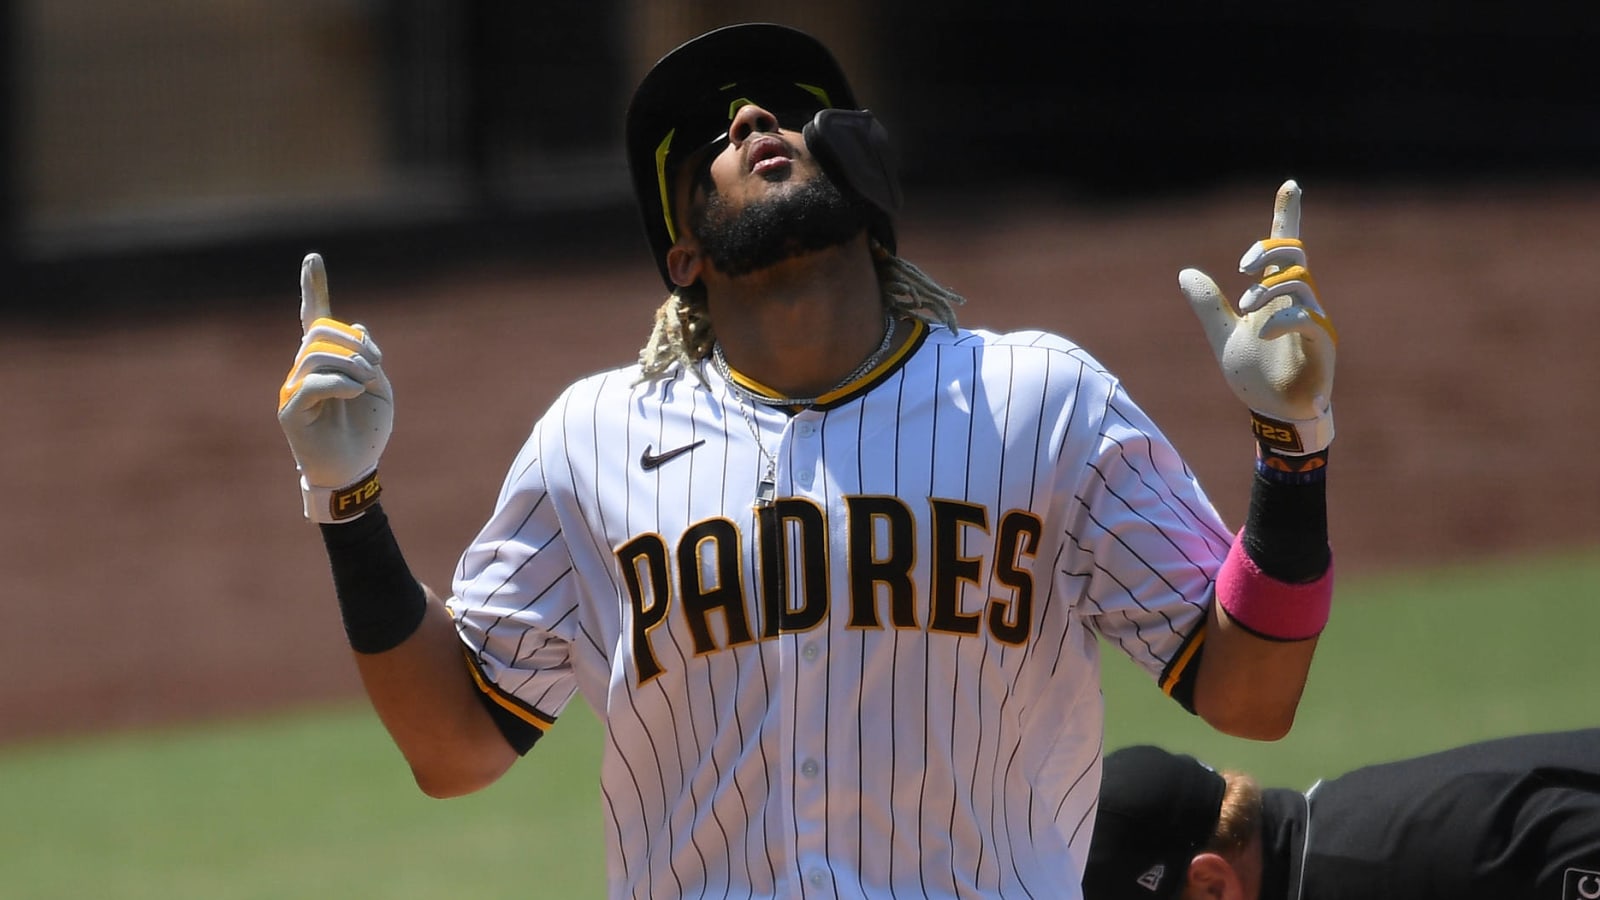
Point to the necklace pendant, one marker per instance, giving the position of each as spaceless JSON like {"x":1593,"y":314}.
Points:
{"x":765,"y":491}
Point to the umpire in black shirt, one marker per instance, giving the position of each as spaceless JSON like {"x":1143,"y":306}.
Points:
{"x":1516,"y":818}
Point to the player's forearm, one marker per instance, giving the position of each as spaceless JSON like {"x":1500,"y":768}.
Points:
{"x":1273,"y":597}
{"x":410,"y":661}
{"x":1249,"y":686}
{"x":425,"y":697}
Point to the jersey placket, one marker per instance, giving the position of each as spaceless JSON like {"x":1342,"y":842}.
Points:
{"x":804,"y":666}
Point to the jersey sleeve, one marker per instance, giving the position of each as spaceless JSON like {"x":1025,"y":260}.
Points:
{"x":1145,"y":544}
{"x":515,"y":603}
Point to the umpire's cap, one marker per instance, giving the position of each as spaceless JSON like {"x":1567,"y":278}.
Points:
{"x":1157,"y":810}
{"x":687,"y":100}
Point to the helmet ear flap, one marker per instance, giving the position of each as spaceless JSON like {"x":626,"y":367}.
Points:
{"x":853,"y":148}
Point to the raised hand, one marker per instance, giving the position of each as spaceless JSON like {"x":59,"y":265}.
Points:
{"x":1276,"y":345}
{"x":335,"y":406}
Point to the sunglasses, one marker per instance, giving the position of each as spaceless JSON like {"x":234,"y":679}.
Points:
{"x":705,"y":124}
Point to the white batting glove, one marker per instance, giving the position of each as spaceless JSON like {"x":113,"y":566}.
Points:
{"x":335,"y":407}
{"x":1276,"y":346}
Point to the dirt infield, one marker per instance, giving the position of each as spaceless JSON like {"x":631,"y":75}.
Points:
{"x":156,"y":568}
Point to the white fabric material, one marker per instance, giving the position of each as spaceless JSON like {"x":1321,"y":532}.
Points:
{"x":938,"y":735}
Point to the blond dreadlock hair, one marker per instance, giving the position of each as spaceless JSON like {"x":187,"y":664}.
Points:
{"x":683,"y":334}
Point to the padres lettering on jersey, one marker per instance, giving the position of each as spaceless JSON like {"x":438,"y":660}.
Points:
{"x":884,"y":683}
{"x":791,"y":604}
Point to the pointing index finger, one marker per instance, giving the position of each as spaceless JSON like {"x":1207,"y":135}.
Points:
{"x":313,"y":291}
{"x":1286,"y":212}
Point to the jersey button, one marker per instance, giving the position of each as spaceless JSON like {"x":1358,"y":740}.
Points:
{"x":804,"y":476}
{"x":809,"y":768}
{"x":817,"y":877}
{"x":805,"y":429}
{"x":810,"y":652}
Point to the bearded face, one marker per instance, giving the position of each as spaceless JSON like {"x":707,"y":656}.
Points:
{"x":815,"y":215}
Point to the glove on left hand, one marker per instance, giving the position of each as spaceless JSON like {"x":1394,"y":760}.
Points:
{"x":335,"y":407}
{"x":1277,"y":346}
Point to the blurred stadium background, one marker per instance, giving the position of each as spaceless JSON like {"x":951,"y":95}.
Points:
{"x":210,"y":139}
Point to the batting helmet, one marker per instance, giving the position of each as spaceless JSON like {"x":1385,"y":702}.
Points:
{"x":688,"y":98}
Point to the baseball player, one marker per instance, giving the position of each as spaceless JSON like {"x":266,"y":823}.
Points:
{"x":831,"y":569}
{"x":1516,"y":818}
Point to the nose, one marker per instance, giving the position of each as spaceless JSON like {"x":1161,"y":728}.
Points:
{"x":751,"y":119}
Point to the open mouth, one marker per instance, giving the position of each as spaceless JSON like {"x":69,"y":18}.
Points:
{"x":768,"y":156}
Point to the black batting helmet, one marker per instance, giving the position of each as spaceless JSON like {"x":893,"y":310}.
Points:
{"x":688,"y":98}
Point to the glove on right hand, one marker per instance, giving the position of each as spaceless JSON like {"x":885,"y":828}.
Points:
{"x":1276,"y":346}
{"x":335,"y":407}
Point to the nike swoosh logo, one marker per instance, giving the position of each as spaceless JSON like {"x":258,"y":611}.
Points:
{"x":648,"y":461}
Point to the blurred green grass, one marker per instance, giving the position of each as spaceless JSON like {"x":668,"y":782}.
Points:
{"x":320,"y":804}
{"x":316,"y":805}
{"x":1410,"y":663}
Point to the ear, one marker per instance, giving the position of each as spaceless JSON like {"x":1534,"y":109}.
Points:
{"x":684,"y":259}
{"x":1212,"y":878}
{"x":684,"y":264}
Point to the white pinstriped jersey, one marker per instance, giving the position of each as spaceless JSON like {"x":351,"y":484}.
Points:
{"x":885,"y":684}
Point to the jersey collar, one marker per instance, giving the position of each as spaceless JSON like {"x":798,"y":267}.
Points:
{"x":845,"y":393}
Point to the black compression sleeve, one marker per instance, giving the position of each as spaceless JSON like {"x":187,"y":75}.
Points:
{"x":379,"y":600}
{"x":1286,"y":530}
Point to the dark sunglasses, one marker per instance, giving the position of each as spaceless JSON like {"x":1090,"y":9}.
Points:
{"x":705,"y":124}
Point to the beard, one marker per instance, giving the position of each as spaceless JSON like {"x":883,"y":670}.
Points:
{"x":814,"y":216}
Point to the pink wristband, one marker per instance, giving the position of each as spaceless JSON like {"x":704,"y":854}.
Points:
{"x":1269,"y":607}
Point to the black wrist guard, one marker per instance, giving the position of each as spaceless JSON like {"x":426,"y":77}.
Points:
{"x":379,"y":600}
{"x":1286,"y":529}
